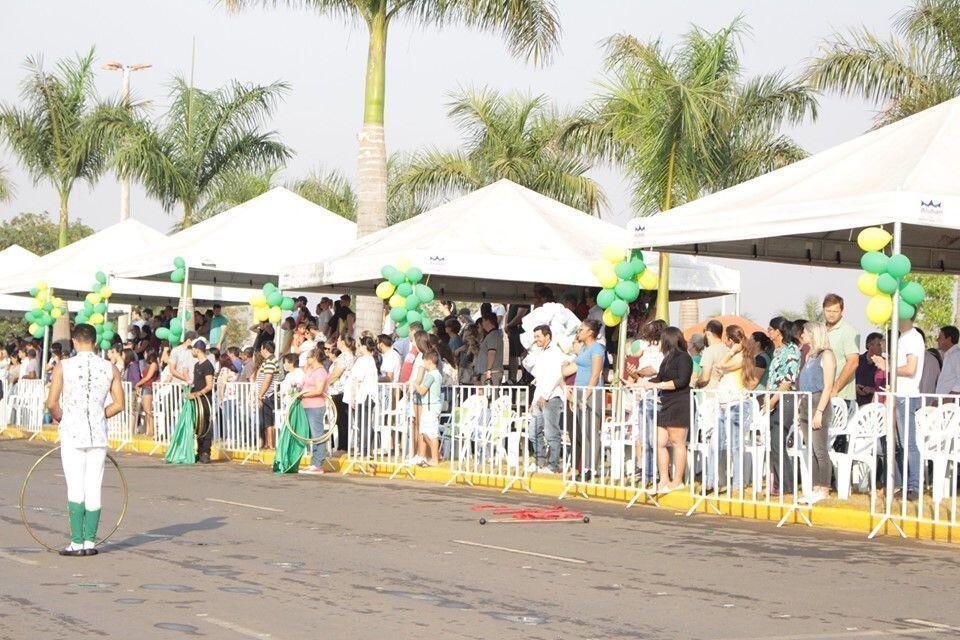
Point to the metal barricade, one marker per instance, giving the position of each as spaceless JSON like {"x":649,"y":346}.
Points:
{"x":27,"y":406}
{"x":381,"y":432}
{"x":120,"y":427}
{"x":755,"y":447}
{"x":923,"y":487}
{"x":488,"y":435}
{"x":609,"y":440}
{"x":167,"y":402}
{"x":237,"y":418}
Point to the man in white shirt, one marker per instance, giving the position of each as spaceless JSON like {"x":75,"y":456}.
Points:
{"x":547,"y":370}
{"x":910,"y":355}
{"x":308,"y":345}
{"x":949,"y":380}
{"x":389,"y":359}
{"x":713,"y":355}
{"x":182,"y":360}
{"x":324,"y":313}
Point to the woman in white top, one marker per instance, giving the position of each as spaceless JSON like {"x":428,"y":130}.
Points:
{"x":361,"y":393}
{"x":13,"y":370}
{"x":339,"y":377}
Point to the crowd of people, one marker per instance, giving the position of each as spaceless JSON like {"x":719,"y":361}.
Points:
{"x":320,"y":359}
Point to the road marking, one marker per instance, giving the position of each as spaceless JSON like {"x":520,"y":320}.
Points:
{"x":243,"y":504}
{"x":865,"y":633}
{"x":250,"y":633}
{"x":935,"y":625}
{"x":10,"y":556}
{"x":521,"y":551}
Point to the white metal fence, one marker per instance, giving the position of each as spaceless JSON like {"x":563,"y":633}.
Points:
{"x":121,"y":427}
{"x":25,"y":406}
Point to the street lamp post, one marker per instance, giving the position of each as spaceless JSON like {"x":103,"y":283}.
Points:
{"x":125,"y":93}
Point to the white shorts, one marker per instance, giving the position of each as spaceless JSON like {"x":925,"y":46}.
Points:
{"x":429,"y":424}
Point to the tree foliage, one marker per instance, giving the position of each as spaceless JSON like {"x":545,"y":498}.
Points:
{"x":37,"y":232}
{"x":937,"y":310}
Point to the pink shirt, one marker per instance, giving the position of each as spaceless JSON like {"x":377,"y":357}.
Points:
{"x":313,"y":380}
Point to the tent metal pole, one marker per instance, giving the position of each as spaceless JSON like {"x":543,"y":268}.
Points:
{"x":183,"y":300}
{"x":891,"y":401}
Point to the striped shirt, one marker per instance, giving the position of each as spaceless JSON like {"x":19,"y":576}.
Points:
{"x":268,"y":368}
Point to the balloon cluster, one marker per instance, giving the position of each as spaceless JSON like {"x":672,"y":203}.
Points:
{"x":173,"y":333}
{"x":621,"y":276}
{"x":94,"y":311}
{"x":270,"y":304}
{"x":179,"y":272}
{"x":46,"y":309}
{"x":884,"y":276}
{"x":406,"y":296}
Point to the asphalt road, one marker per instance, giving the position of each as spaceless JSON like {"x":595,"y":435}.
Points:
{"x":334,"y":557}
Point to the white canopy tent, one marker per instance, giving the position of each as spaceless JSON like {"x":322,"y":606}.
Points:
{"x":70,"y":271}
{"x":495,"y":244}
{"x":236,"y":248}
{"x":902,"y":176}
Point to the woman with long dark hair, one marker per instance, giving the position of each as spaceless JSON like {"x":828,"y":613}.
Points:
{"x":673,"y":419}
{"x":339,"y":378}
{"x":145,"y":387}
{"x":784,"y":370}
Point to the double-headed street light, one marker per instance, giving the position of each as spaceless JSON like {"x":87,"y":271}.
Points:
{"x":125,"y":93}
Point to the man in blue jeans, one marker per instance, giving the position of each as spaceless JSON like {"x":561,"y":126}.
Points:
{"x":911,"y":351}
{"x":546,"y":365}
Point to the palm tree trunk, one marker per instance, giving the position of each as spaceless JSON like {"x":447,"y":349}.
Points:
{"x":64,"y":218}
{"x":372,"y":161}
{"x":663,"y":284}
{"x":187,"y":215}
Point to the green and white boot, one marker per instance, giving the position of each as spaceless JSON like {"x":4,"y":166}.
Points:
{"x":91,"y":522}
{"x":76,"y":512}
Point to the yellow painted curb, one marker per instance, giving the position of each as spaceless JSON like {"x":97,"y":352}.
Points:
{"x":829,"y":516}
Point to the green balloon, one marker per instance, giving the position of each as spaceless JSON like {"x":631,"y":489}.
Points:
{"x":33,"y":292}
{"x":46,"y":320}
{"x":178,"y":276}
{"x":109,"y":326}
{"x":179,"y":262}
{"x":396,"y":277}
{"x":912,"y":293}
{"x":38,"y":334}
{"x":414,"y":275}
{"x":404,"y":289}
{"x":385,"y":271}
{"x":403,"y":331}
{"x":898,"y":265}
{"x":105,"y":344}
{"x":874,"y":262}
{"x":88,"y":307}
{"x":605,"y":298}
{"x":638,"y":265}
{"x":274,"y":298}
{"x":176,"y":326}
{"x":96,"y":287}
{"x":887,"y":283}
{"x":268,"y":287}
{"x":108,"y":335}
{"x":398,"y":314}
{"x":163,"y":333}
{"x":627,"y":290}
{"x":101,"y":277}
{"x":28,"y":316}
{"x":636,"y":346}
{"x":624,"y":270}
{"x":413,"y":301}
{"x":424,"y":292}
{"x":414,"y":316}
{"x":287,"y":303}
{"x":619,"y":308}
{"x":100,"y":307}
{"x":81,"y":318}
{"x":48,"y":306}
{"x":907,"y":310}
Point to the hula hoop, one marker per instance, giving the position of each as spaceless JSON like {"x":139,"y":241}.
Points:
{"x":327,"y":433}
{"x":23,"y":491}
{"x":200,"y":408}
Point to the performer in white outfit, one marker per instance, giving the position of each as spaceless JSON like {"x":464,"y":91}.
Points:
{"x":84,"y":392}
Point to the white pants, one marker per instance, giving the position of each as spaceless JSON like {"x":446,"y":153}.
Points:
{"x":83,"y":469}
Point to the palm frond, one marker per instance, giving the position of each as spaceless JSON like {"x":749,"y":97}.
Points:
{"x":329,"y":189}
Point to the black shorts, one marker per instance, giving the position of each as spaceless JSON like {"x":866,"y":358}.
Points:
{"x":266,"y":416}
{"x":515,"y":349}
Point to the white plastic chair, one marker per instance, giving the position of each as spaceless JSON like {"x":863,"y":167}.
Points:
{"x":706,"y":416}
{"x":865,"y":430}
{"x":839,"y":426}
{"x":756,"y":443}
{"x":936,"y":429}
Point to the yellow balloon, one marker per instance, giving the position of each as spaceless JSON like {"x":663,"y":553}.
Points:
{"x":397,"y":301}
{"x":873,"y":239}
{"x":867,"y":283}
{"x":105,"y":292}
{"x":879,"y":309}
{"x":56,"y":313}
{"x":262,"y":314}
{"x":57,"y":302}
{"x":608,"y":280}
{"x":609,"y":319}
{"x":403,"y":263}
{"x":258,"y":301}
{"x":614,"y":254}
{"x":647,"y":280}
{"x":385,"y":290}
{"x":276,"y":315}
{"x":93,"y":298}
{"x":42,"y":285}
{"x":96,"y":318}
{"x":33,"y":328}
{"x":599,"y":267}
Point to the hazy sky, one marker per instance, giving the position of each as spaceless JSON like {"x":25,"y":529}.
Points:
{"x":323,"y":60}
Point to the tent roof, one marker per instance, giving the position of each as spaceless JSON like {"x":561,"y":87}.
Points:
{"x":495,"y":244}
{"x":810,"y":211}
{"x":70,"y":271}
{"x":226,"y":249}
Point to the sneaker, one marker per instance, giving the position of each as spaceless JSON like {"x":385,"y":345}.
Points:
{"x":90,"y":548}
{"x":72,"y":549}
{"x":544,"y":469}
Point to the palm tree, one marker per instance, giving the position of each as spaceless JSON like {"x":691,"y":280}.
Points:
{"x":333,"y":191}
{"x":904,"y":75}
{"x":521,"y":138}
{"x":58,"y":133}
{"x":683,"y":122}
{"x":6,"y":187}
{"x":205,"y":139}
{"x":530,"y":27}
